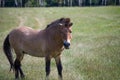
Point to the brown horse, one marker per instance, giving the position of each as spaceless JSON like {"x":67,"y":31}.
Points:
{"x":48,"y":43}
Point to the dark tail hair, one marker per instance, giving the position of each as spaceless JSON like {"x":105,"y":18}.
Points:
{"x":7,"y":51}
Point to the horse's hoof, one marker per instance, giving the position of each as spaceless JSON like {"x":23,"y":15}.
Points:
{"x":60,"y":78}
{"x":16,"y":78}
{"x":22,"y":76}
{"x":47,"y":78}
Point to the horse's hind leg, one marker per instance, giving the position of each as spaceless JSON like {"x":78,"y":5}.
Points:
{"x":17,"y":65}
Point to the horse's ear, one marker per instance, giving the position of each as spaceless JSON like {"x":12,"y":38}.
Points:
{"x":61,"y":19}
{"x":67,"y":20}
{"x":70,"y":24}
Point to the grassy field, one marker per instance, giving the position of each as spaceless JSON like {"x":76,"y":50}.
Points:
{"x":95,"y":48}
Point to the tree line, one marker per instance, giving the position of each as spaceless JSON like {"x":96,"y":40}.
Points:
{"x":56,"y":3}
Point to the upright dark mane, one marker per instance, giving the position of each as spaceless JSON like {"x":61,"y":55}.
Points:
{"x":54,"y":23}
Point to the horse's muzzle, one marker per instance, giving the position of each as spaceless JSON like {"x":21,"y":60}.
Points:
{"x":66,"y":45}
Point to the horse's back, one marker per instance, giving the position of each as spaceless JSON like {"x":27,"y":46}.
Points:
{"x":26,"y":39}
{"x":18,"y":35}
{"x":21,"y":33}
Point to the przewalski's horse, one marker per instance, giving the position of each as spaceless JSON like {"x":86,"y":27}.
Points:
{"x":48,"y":43}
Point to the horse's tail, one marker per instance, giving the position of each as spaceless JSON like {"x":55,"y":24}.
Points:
{"x":7,"y":51}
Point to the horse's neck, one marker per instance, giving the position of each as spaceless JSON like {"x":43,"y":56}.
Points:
{"x":54,"y":35}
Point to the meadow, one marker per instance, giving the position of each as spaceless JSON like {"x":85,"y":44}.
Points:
{"x":95,"y":46}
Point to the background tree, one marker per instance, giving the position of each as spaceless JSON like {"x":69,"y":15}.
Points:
{"x":89,"y":2}
{"x":31,"y":3}
{"x":50,"y":3}
{"x":71,"y":1}
{"x":40,"y":3}
{"x":2,"y":3}
{"x":119,"y":2}
{"x":80,"y":2}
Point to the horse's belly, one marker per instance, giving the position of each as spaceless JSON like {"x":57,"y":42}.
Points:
{"x":33,"y":48}
{"x":36,"y":54}
{"x":33,"y":51}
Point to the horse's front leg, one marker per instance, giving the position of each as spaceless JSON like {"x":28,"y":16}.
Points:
{"x":59,"y":66}
{"x":47,"y":68}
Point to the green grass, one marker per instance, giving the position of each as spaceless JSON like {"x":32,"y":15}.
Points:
{"x":95,"y":48}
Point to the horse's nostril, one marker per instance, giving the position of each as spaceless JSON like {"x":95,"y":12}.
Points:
{"x":66,"y":44}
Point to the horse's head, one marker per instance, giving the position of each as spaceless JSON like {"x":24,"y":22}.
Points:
{"x":62,"y":30}
{"x":65,"y":31}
